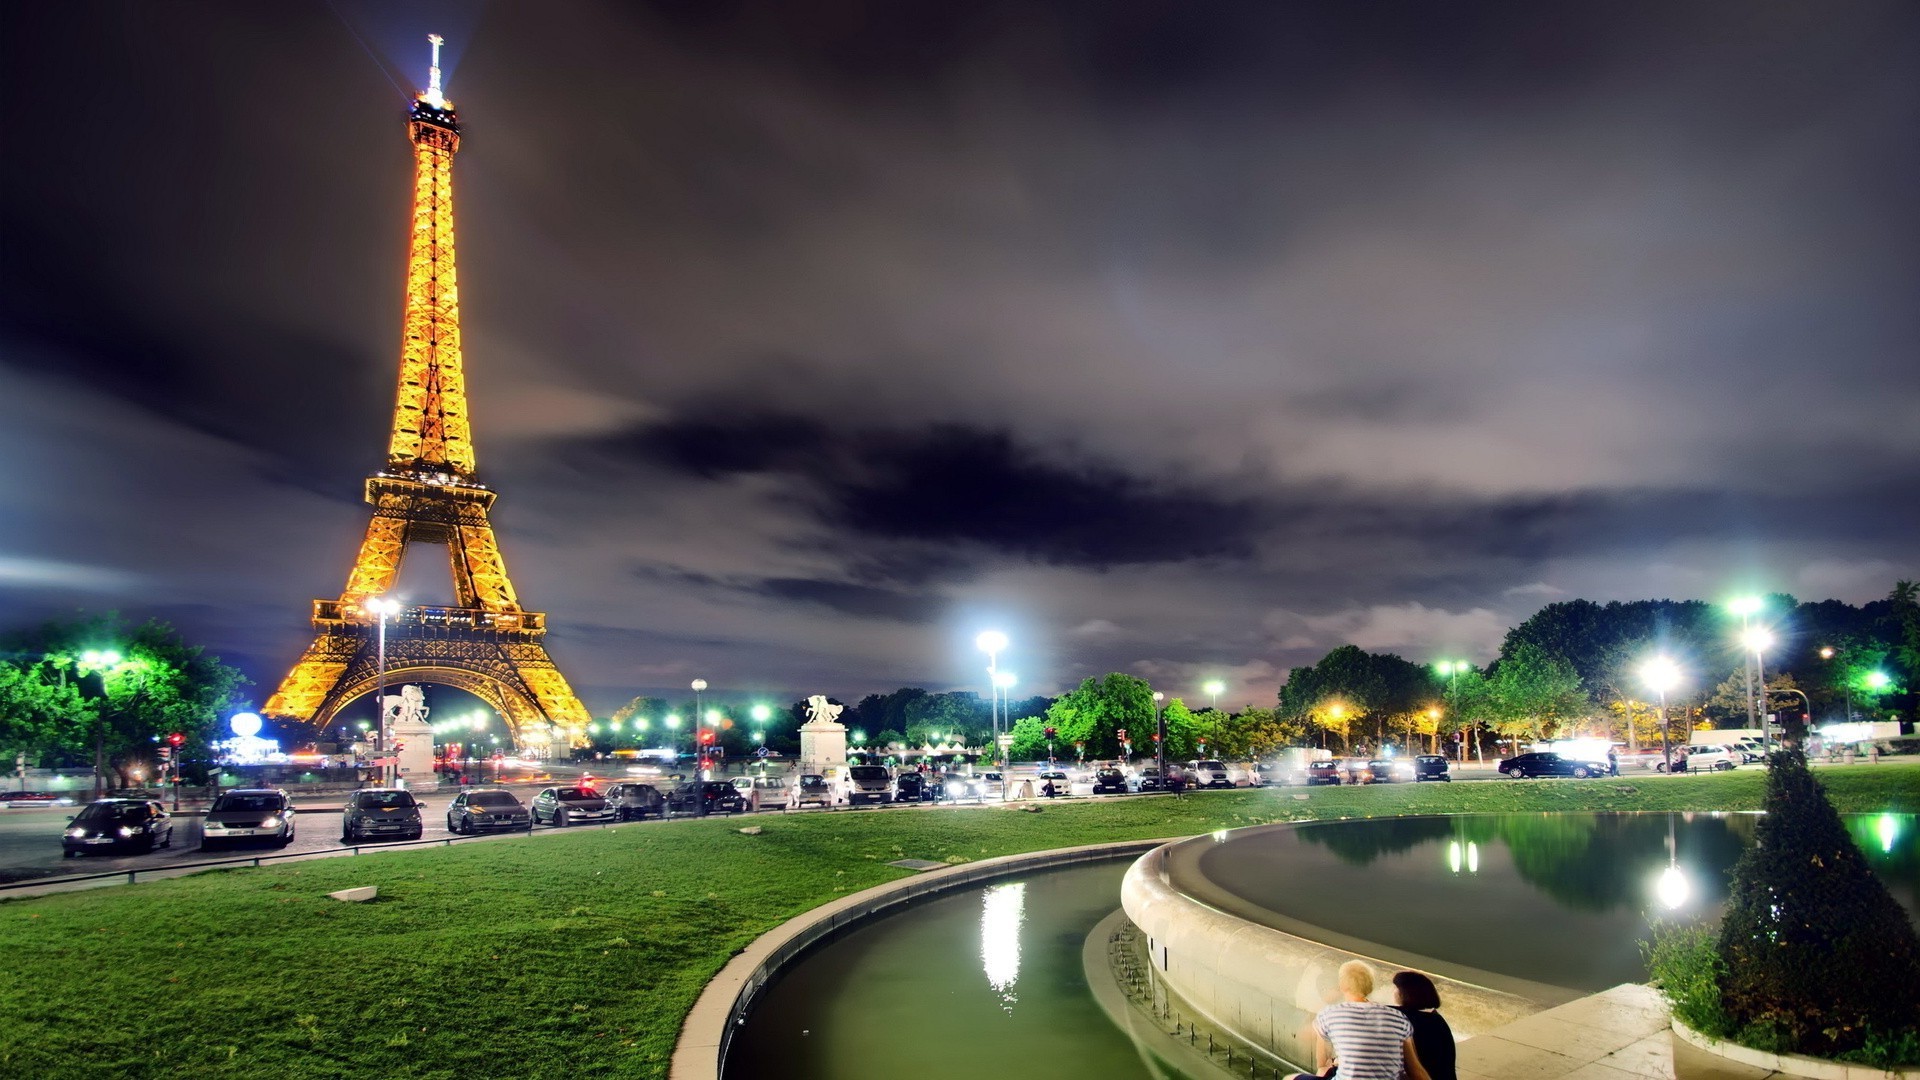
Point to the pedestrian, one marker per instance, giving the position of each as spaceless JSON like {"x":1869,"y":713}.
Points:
{"x":1419,"y":1000}
{"x":1613,"y":762}
{"x":1358,"y":1039}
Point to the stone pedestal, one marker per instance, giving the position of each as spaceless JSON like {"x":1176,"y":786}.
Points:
{"x":415,"y":739}
{"x":823,"y":745}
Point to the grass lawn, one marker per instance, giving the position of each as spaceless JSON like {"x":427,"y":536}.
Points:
{"x":577,"y":954}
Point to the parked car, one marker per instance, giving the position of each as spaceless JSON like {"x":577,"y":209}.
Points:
{"x":1207,"y":773}
{"x":118,"y":824}
{"x":1707,"y":759}
{"x":910,"y":787}
{"x":1316,"y":773}
{"x":248,"y":814}
{"x":1109,"y":781}
{"x":991,"y":785}
{"x":960,"y":787}
{"x":1061,"y":783}
{"x":866,"y":783}
{"x":633,"y":801}
{"x":1547,"y":763}
{"x":1431,"y":767}
{"x":564,"y":806}
{"x":1390,"y":770}
{"x":486,"y":811}
{"x":720,"y":798}
{"x":762,"y":790}
{"x":372,"y":812}
{"x":811,"y":790}
{"x":35,"y":798}
{"x":1151,"y":780}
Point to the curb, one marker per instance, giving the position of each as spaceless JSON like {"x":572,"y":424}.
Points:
{"x":700,"y":1053}
{"x":1789,"y":1064}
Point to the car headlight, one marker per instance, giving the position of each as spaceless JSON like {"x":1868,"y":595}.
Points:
{"x":270,"y":822}
{"x":126,"y":830}
{"x":76,"y":833}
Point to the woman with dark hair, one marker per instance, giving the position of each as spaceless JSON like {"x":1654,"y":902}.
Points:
{"x":1432,"y":1038}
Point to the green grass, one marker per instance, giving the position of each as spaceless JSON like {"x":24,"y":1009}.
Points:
{"x":577,"y":954}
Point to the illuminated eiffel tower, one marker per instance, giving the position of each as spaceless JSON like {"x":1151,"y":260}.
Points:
{"x":485,"y":643}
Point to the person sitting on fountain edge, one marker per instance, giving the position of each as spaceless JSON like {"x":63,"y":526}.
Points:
{"x":1419,"y":1002}
{"x":1360,"y":1039}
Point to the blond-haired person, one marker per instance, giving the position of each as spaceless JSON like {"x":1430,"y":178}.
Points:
{"x":1358,"y":1039}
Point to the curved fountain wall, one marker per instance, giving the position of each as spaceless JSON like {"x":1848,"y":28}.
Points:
{"x":1263,"y":984}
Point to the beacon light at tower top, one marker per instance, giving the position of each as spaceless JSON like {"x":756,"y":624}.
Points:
{"x":433,"y":95}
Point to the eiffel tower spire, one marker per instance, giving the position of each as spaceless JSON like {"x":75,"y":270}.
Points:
{"x":485,"y":642}
{"x":430,"y":429}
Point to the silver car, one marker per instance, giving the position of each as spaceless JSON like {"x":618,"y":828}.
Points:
{"x":564,"y":806}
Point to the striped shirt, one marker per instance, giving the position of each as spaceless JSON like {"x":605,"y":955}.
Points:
{"x":1366,"y":1039}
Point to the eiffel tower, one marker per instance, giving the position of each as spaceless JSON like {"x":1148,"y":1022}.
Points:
{"x":485,"y":643}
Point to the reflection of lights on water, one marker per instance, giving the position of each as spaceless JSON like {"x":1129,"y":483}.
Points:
{"x":1889,"y":830}
{"x":1672,"y":888}
{"x":1003,"y":908}
{"x":1467,"y":855}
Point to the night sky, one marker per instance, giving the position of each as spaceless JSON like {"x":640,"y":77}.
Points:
{"x":805,"y":340}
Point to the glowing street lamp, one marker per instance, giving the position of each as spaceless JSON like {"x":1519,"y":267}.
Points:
{"x":1213,"y":689}
{"x":1747,"y":607}
{"x":993,"y":642}
{"x":1160,"y":737}
{"x":1661,"y":674}
{"x":1758,"y":639}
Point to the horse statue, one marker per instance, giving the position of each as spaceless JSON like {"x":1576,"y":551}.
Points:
{"x":822,"y":711}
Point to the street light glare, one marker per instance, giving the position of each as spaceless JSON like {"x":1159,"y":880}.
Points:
{"x":1878,"y":680}
{"x":699,"y":685}
{"x":761,"y":712}
{"x":1214,"y":686}
{"x":1745,"y":605}
{"x":1757,"y":639}
{"x":1660,"y":674}
{"x":991,"y":641}
{"x":1003,"y":679}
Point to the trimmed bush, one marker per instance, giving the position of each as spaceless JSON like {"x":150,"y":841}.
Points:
{"x":1817,"y":957}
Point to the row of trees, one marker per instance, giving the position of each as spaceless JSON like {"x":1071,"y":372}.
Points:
{"x":96,"y":691}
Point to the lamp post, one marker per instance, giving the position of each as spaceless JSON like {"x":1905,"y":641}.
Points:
{"x":699,"y":752}
{"x":1213,"y":688}
{"x":992,"y":642}
{"x":1160,"y":738}
{"x":1746,"y":607}
{"x":1453,"y":669}
{"x":381,"y":607}
{"x":1433,"y":714}
{"x":1002,"y":682}
{"x":1758,"y":639}
{"x":1660,"y":674}
{"x":1335,"y":710}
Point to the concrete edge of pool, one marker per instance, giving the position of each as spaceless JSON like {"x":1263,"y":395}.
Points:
{"x":700,"y":1052}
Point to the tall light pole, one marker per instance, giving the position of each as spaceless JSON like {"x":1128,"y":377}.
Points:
{"x":1452,"y":670}
{"x":992,"y":642}
{"x":1758,"y":639}
{"x":699,"y":752}
{"x":381,"y":608}
{"x":1002,"y":682}
{"x":1660,"y":674}
{"x":1160,"y":738}
{"x":1213,"y":688}
{"x":1747,"y":607}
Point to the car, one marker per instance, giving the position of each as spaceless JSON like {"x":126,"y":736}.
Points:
{"x":812,"y":789}
{"x":960,"y":787}
{"x":1062,"y":784}
{"x":248,"y":814}
{"x":1316,"y":773}
{"x":866,"y":783}
{"x":1110,"y":781}
{"x":1707,"y":759}
{"x":1389,"y":770}
{"x":16,"y":799}
{"x":910,"y":787}
{"x":990,"y":784}
{"x":760,"y":791}
{"x":1207,"y":773}
{"x":1548,"y":763}
{"x":486,"y":811}
{"x":1150,"y":780}
{"x":564,"y":806}
{"x":114,"y":824}
{"x":372,"y":812}
{"x":631,"y":801}
{"x":1431,"y":767}
{"x":720,"y":798}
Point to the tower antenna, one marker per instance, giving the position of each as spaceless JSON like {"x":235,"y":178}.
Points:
{"x":433,"y":95}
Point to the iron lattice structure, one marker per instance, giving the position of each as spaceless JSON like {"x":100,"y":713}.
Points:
{"x":485,"y":643}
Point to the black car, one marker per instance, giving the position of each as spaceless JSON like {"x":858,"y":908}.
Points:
{"x":248,"y":814}
{"x":1109,"y":782}
{"x":633,"y":802}
{"x":910,"y":787}
{"x":564,"y":806}
{"x":118,"y":824}
{"x":373,"y":812}
{"x":1150,"y":780}
{"x":720,"y":797}
{"x":1546,"y":763}
{"x":1431,"y":767}
{"x":485,"y":811}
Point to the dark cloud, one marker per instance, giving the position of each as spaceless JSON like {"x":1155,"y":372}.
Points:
{"x":804,"y":339}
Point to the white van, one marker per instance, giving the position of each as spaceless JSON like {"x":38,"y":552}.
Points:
{"x":866,"y":783}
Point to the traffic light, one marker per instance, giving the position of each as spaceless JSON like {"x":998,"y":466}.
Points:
{"x":166,"y":753}
{"x":176,"y":739}
{"x":1051,"y":732}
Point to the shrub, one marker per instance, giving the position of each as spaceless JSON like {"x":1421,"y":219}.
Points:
{"x":1684,"y":963}
{"x":1817,"y":957}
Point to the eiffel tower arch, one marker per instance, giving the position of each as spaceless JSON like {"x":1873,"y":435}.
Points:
{"x":484,"y":643}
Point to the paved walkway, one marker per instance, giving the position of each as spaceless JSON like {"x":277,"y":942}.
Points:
{"x":1622,"y":1034}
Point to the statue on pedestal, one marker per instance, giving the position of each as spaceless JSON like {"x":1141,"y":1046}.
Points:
{"x":823,"y":739}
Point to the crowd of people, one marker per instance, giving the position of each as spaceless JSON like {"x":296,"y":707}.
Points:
{"x":1357,"y":1038}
